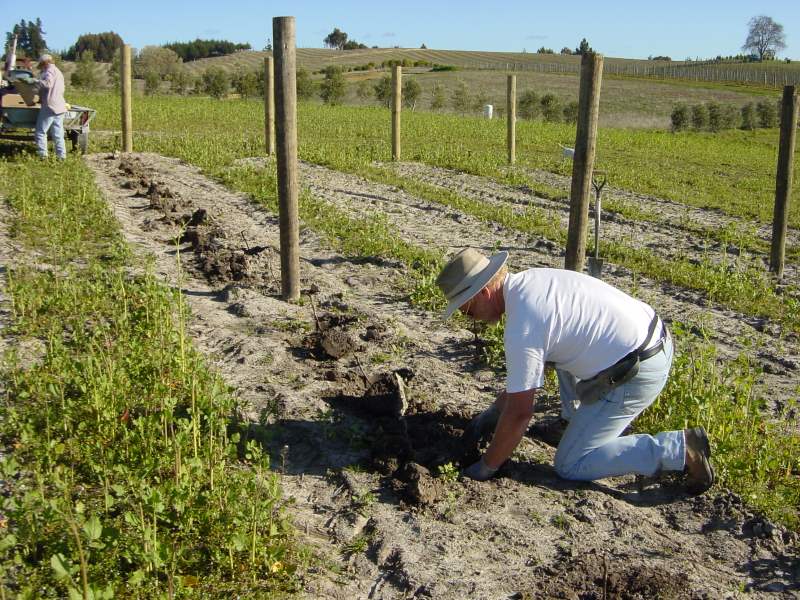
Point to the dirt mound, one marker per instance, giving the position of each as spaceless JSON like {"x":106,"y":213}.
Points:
{"x":595,"y":577}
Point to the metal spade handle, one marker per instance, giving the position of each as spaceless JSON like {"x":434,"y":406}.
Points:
{"x":599,"y":180}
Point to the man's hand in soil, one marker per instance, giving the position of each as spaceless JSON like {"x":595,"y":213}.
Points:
{"x":479,"y":471}
{"x":480,"y":426}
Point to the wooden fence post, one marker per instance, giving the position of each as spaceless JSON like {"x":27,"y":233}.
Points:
{"x":125,"y":83}
{"x":783,"y":182}
{"x":583,"y":161}
{"x":283,"y":34}
{"x":397,"y":103}
{"x":511,"y":113}
{"x":269,"y":104}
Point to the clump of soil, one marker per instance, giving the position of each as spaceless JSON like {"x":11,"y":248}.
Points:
{"x":418,"y":486}
{"x":382,"y":395}
{"x":336,"y":343}
{"x":332,"y":338}
{"x":407,"y":439}
{"x":139,"y":178}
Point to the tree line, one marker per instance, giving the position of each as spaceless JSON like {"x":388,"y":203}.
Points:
{"x":189,"y":51}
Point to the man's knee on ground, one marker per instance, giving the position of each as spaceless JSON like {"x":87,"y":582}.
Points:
{"x":567,"y":467}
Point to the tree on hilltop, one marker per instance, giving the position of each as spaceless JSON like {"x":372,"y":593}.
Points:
{"x":103,"y":46}
{"x":198,"y":49}
{"x":336,"y":39}
{"x":764,"y":37}
{"x":583,"y":47}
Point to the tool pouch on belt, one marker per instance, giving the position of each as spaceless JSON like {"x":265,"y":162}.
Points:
{"x":622,"y":371}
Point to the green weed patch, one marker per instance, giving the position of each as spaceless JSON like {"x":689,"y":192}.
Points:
{"x":128,"y":476}
{"x":755,"y":457}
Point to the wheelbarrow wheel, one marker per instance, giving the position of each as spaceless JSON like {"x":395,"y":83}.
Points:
{"x":80,"y":141}
{"x":83,"y":142}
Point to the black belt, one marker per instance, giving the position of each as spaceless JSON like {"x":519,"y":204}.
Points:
{"x":657,"y":347}
{"x":650,"y":352}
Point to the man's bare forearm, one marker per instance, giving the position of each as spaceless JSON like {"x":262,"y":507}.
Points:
{"x":511,"y":427}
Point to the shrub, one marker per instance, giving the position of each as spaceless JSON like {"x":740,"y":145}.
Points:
{"x":551,"y":108}
{"x":437,"y":68}
{"x":748,"y":116}
{"x":461,"y":98}
{"x":571,"y":112}
{"x":305,"y":86}
{"x":411,"y":93}
{"x":680,"y":117}
{"x":767,"y":114}
{"x":246,"y":83}
{"x":215,"y":82}
{"x":152,"y":82}
{"x":528,"y":106}
{"x":437,"y":97}
{"x":181,"y":82}
{"x":363,"y":90}
{"x":85,"y":75}
{"x":714,"y":116}
{"x":729,"y":117}
{"x":383,"y":91}
{"x":699,"y":117}
{"x":333,"y":87}
{"x":479,"y":100}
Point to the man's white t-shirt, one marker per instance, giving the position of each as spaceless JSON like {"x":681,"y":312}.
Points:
{"x":578,"y":322}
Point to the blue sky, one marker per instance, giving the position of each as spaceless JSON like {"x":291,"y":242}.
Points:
{"x":628,"y":29}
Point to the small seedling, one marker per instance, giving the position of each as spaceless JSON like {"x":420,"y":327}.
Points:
{"x":448,"y":472}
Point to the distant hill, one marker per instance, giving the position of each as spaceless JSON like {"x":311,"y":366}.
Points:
{"x":770,"y":73}
{"x":314,"y":59}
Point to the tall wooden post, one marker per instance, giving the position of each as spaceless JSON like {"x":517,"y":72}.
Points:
{"x":397,"y":103}
{"x":511,"y":112}
{"x":283,"y":32}
{"x":125,"y":83}
{"x":783,"y":182}
{"x":583,"y":161}
{"x":269,"y":104}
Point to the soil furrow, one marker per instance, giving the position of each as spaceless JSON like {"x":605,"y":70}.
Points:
{"x":671,"y":234}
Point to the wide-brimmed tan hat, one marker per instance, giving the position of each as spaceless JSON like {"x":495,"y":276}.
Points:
{"x":465,"y":275}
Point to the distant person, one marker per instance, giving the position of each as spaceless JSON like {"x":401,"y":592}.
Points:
{"x":51,"y":116}
{"x":27,"y":64}
{"x":612,"y":355}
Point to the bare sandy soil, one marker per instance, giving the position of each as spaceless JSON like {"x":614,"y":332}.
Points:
{"x":360,"y":399}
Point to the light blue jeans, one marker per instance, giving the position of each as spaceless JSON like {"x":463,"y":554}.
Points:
{"x":592,"y":447}
{"x":50,"y":121}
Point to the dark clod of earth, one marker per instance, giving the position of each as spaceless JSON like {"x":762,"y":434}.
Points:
{"x":408,"y":441}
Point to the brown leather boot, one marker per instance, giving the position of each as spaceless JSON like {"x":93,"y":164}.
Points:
{"x":699,"y":472}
